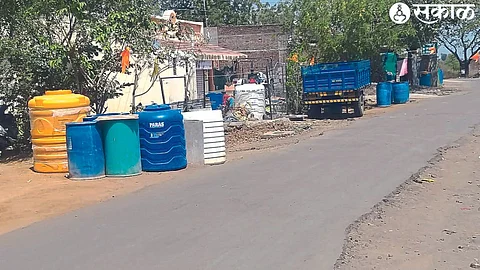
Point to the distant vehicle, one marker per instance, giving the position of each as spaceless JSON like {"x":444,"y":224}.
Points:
{"x":330,"y":87}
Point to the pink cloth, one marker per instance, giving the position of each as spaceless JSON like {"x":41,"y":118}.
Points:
{"x":404,"y":69}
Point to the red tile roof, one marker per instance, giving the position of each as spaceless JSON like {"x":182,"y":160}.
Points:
{"x":205,"y":51}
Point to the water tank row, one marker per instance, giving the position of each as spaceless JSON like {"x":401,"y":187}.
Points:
{"x":396,"y":93}
{"x":108,"y":144}
{"x":152,"y":141}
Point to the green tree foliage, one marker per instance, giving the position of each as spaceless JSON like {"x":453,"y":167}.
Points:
{"x":76,"y":44}
{"x":341,"y":30}
{"x":460,"y":37}
{"x":228,"y":12}
{"x":452,"y":63}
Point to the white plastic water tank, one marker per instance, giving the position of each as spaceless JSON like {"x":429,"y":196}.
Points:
{"x":213,"y":134}
{"x":252,"y":96}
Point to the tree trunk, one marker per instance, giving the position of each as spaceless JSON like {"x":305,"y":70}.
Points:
{"x":466,"y":64}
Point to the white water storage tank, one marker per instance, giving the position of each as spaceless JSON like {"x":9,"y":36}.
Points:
{"x":213,"y":134}
{"x":252,"y":96}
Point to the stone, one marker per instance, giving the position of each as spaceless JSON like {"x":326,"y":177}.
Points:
{"x":475,"y":264}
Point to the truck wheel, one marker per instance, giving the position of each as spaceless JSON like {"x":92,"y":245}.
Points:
{"x":359,"y":107}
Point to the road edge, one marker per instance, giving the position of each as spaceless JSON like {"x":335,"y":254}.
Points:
{"x":377,"y":210}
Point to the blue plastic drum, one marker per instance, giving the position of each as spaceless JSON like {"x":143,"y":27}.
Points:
{"x":401,"y":92}
{"x":85,"y":151}
{"x":384,"y":94}
{"x":216,"y":99}
{"x":121,"y":143}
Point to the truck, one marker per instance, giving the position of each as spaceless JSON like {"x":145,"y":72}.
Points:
{"x":330,"y":87}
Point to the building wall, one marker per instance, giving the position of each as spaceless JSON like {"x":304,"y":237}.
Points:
{"x":262,"y":42}
{"x":474,"y":69}
{"x":174,"y":89}
{"x":256,"y":41}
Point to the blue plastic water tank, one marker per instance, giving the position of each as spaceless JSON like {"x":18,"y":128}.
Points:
{"x":440,"y":76}
{"x":400,"y":92}
{"x":384,"y":94}
{"x":162,"y":139}
{"x":216,"y":99}
{"x":426,"y":79}
{"x":85,"y":151}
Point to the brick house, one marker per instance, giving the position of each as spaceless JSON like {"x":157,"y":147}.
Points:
{"x":265,"y":45}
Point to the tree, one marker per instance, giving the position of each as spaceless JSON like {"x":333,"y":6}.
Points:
{"x":223,"y":12}
{"x":56,"y":44}
{"x":452,"y":63}
{"x":280,"y":13}
{"x":341,"y":30}
{"x":461,"y":38}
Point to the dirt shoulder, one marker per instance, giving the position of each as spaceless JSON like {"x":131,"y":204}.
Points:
{"x":430,"y":222}
{"x":27,"y":197}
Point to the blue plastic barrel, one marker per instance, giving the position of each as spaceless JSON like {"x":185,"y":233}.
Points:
{"x":85,"y":151}
{"x":440,"y":76}
{"x":384,"y":94}
{"x":162,"y":139}
{"x":400,"y":92}
{"x":426,"y":79}
{"x":216,"y":99}
{"x":121,"y":143}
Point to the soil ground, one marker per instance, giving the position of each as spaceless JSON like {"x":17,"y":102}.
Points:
{"x":27,"y":197}
{"x":430,"y":222}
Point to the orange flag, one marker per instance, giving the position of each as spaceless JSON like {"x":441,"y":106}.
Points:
{"x":125,"y":59}
{"x":476,"y":57}
{"x":432,"y":50}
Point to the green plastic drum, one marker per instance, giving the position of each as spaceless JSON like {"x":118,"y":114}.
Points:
{"x":121,"y":144}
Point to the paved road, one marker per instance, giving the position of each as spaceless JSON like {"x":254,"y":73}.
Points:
{"x":286,"y":209}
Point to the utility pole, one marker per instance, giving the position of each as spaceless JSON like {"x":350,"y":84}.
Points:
{"x":205,"y":13}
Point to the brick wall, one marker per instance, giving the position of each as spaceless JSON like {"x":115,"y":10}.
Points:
{"x":265,"y":41}
{"x":260,"y":42}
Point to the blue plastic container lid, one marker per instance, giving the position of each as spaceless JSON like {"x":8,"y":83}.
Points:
{"x":156,"y":107}
{"x":214,"y":94}
{"x":81,"y":123}
{"x":95,"y":116}
{"x":89,"y":119}
{"x":117,"y":117}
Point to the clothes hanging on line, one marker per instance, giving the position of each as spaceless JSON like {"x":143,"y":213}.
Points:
{"x":404,"y":69}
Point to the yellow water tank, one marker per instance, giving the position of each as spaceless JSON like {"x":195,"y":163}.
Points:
{"x":48,"y":115}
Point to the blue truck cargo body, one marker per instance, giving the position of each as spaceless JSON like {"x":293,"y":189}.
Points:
{"x":329,"y":85}
{"x":336,"y":76}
